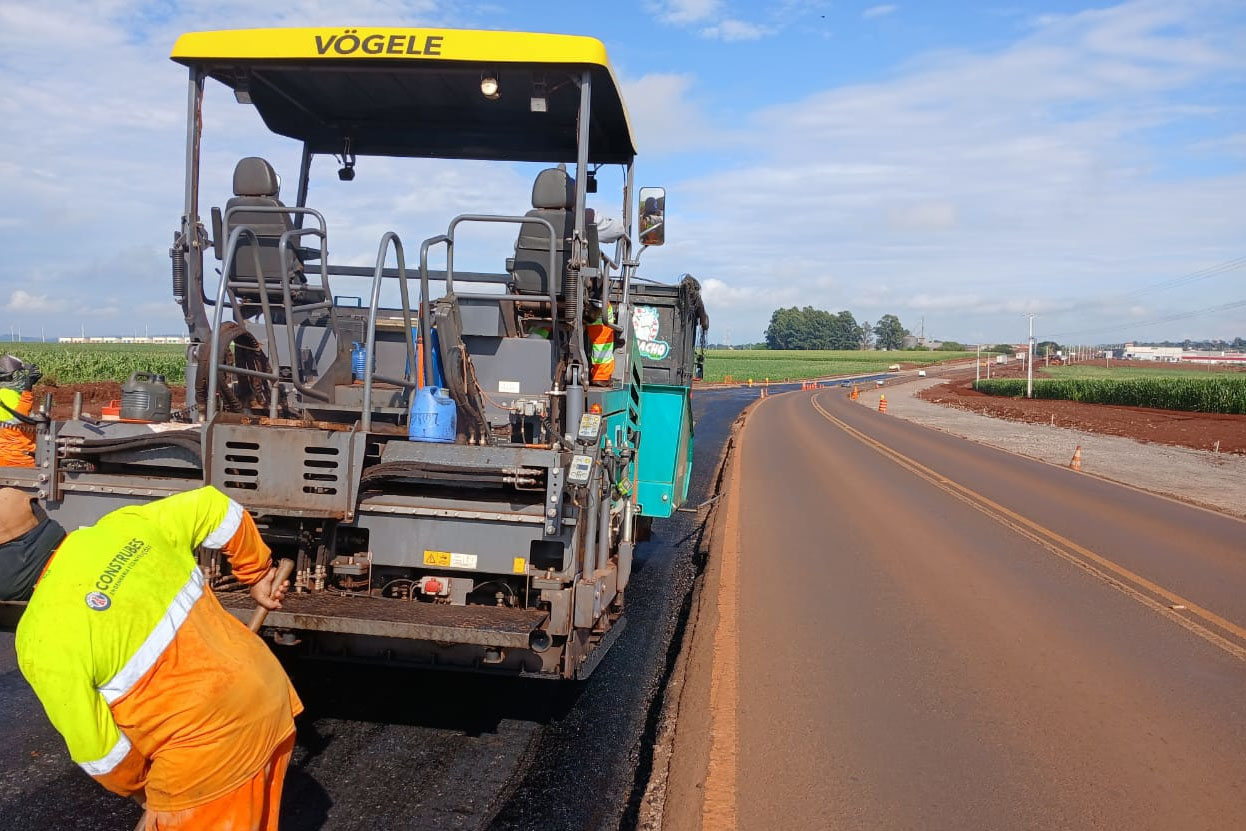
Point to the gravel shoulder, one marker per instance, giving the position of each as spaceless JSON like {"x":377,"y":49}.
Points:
{"x":1211,"y":480}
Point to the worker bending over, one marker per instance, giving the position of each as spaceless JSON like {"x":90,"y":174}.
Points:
{"x":17,"y":437}
{"x":159,"y":692}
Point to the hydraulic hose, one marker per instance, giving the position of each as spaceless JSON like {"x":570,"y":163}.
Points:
{"x":99,"y":447}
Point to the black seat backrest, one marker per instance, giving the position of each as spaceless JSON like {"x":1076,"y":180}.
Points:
{"x":553,"y":199}
{"x":256,"y":186}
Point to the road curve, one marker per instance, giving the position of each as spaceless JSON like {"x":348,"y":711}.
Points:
{"x":935,"y":634}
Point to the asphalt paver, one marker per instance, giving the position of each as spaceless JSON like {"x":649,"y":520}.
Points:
{"x":384,"y":748}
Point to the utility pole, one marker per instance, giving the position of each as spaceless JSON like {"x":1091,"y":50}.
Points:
{"x":977,"y":368}
{"x":1029,"y":359}
{"x":1047,"y":357}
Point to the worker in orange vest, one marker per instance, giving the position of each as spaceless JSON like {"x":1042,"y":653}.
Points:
{"x":17,"y":437}
{"x":602,"y":334}
{"x":159,"y":693}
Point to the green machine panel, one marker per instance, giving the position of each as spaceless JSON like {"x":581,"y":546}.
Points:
{"x":665,"y":453}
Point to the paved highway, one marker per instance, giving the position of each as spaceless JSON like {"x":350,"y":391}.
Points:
{"x":915,"y":631}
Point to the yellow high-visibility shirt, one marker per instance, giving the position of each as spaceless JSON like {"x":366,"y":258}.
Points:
{"x":152,"y":684}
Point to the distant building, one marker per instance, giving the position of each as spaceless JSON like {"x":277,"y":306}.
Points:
{"x":1167,"y":354}
{"x":127,"y":339}
{"x":1207,"y":356}
{"x":1176,"y":354}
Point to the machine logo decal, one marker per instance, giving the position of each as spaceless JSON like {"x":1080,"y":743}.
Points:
{"x":350,"y":43}
{"x":645,"y":325}
{"x":98,"y":601}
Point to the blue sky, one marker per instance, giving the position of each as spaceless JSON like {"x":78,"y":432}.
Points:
{"x":962,"y":162}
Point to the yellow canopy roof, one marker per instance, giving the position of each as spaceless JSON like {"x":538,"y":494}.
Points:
{"x":389,"y":43}
{"x":416,"y":92}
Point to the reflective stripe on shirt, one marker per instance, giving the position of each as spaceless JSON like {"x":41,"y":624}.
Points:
{"x":114,"y":757}
{"x":158,"y":641}
{"x":228,"y":527}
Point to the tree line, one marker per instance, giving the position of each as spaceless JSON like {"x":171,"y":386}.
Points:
{"x":1238,"y":344}
{"x":811,"y":328}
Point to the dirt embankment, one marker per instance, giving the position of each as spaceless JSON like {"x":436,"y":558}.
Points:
{"x":1201,"y":431}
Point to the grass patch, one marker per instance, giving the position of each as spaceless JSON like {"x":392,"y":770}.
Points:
{"x":796,"y":364}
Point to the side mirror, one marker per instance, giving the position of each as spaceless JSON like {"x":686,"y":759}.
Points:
{"x":652,"y":216}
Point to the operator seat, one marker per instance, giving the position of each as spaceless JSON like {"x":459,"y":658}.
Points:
{"x":256,"y":186}
{"x":553,"y":199}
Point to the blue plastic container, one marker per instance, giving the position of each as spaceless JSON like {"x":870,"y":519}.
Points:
{"x":359,"y":360}
{"x":434,"y":417}
{"x":438,"y":379}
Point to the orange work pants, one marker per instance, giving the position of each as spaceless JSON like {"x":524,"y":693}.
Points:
{"x":254,"y":806}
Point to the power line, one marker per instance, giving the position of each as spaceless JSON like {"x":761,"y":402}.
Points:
{"x":1224,"y":307}
{"x":1192,"y":277}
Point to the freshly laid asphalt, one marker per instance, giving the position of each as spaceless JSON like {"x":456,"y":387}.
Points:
{"x":390,"y":749}
{"x":946,"y":636}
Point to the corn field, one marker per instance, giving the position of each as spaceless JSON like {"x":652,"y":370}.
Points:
{"x":89,"y":363}
{"x":1219,"y":394}
{"x":797,"y":364}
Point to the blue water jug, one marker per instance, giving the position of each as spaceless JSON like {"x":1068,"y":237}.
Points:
{"x":438,"y":379}
{"x":358,"y":360}
{"x":433,"y":416}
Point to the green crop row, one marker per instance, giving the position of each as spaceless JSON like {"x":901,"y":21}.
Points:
{"x":90,"y":363}
{"x":1217,"y":394}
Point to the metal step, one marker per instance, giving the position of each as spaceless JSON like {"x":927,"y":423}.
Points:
{"x":412,"y":619}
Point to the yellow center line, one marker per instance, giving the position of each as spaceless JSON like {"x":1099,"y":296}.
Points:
{"x":1129,"y":582}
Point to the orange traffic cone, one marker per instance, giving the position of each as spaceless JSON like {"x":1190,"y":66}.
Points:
{"x":855,"y":395}
{"x":1076,"y":464}
{"x":882,"y":403}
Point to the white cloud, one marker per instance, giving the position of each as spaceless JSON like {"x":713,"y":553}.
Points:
{"x":711,"y":21}
{"x":23,"y":301}
{"x":680,"y":12}
{"x":968,"y":186}
{"x":732,"y":30}
{"x":973,"y":187}
{"x":1233,"y":145}
{"x":879,"y":11}
{"x":668,"y":117}
{"x":720,"y":295}
{"x":923,"y":216}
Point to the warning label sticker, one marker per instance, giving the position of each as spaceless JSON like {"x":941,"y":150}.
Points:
{"x":449,"y":559}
